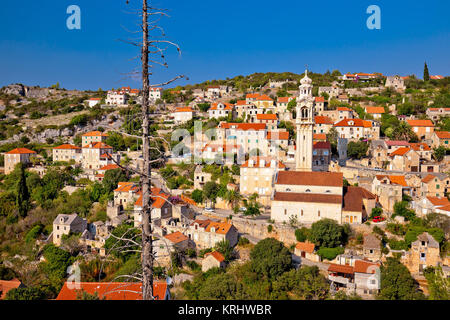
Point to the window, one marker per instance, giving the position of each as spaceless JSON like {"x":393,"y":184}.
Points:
{"x":302,"y":212}
{"x":318,"y":213}
{"x":285,"y":211}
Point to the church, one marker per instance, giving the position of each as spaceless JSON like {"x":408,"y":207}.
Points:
{"x":306,"y":196}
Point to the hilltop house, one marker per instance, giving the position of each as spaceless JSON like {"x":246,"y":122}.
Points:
{"x":15,"y":156}
{"x":67,"y":152}
{"x":206,"y":233}
{"x":65,"y":224}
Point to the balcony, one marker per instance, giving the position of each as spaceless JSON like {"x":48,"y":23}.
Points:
{"x":338,"y":279}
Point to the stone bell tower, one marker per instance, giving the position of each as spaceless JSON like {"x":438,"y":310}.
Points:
{"x":305,"y":125}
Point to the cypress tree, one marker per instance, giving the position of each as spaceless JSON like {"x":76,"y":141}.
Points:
{"x":426,"y":74}
{"x":23,"y":195}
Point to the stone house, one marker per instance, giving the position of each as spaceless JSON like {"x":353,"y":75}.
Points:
{"x":355,"y":129}
{"x":306,"y":250}
{"x":220,"y":110}
{"x":422,"y":128}
{"x":404,"y":159}
{"x":257,"y":175}
{"x":93,"y":137}
{"x":437,"y":113}
{"x":367,"y":277}
{"x":200,"y":178}
{"x":424,"y":253}
{"x":64,"y":224}
{"x":375,"y":112}
{"x":161,"y":207}
{"x":321,"y":155}
{"x":96,"y":155}
{"x":436,"y":185}
{"x":15,"y":156}
{"x":213,"y":260}
{"x":423,"y":150}
{"x":67,"y":152}
{"x":322,"y":124}
{"x":271,"y":120}
{"x":430,"y":204}
{"x":440,"y":139}
{"x":371,"y":248}
{"x":206,"y":233}
{"x":183,"y":114}
{"x":395,"y":82}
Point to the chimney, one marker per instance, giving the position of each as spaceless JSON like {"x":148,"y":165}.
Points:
{"x":262,"y":163}
{"x":273,"y":163}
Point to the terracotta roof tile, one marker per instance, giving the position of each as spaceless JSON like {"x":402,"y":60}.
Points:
{"x":67,"y":147}
{"x":266,"y":116}
{"x":375,"y":110}
{"x":362,"y":266}
{"x":307,"y":197}
{"x":113,"y":290}
{"x":443,"y":134}
{"x":332,"y":179}
{"x":400,"y":152}
{"x":341,"y":269}
{"x":278,"y":135}
{"x":305,"y":246}
{"x":219,"y":227}
{"x":21,"y":151}
{"x":176,"y":237}
{"x":95,"y":134}
{"x":439,"y":201}
{"x":243,"y":126}
{"x":420,"y":123}
{"x":216,"y":255}
{"x":323,"y":120}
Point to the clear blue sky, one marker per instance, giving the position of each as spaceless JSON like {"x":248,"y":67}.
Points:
{"x":221,"y":39}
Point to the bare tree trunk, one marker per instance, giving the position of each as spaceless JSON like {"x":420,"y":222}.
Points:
{"x":147,"y":245}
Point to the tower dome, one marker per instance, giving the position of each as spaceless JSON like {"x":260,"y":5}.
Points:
{"x":306,"y":79}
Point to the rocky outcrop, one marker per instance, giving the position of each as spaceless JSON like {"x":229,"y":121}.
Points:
{"x":15,"y":89}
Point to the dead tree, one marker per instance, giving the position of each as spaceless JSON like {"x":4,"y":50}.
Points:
{"x":152,"y":53}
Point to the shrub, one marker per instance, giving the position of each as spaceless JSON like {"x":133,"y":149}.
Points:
{"x":194,"y":266}
{"x":330,"y":253}
{"x":269,"y":228}
{"x":243,"y":241}
{"x":302,"y":234}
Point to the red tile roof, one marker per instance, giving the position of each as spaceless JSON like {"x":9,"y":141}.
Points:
{"x":98,"y":145}
{"x":252,"y":96}
{"x":243,"y":126}
{"x":67,"y":147}
{"x":400,"y":151}
{"x":159,"y":198}
{"x":443,"y":134}
{"x":362,"y":266}
{"x":126,"y":187}
{"x":257,"y":160}
{"x":264,"y":97}
{"x":278,"y":135}
{"x":176,"y":237}
{"x":186,"y":109}
{"x":439,"y":201}
{"x":266,"y":116}
{"x":320,"y":136}
{"x":112,"y":290}
{"x":216,"y":255}
{"x":21,"y":151}
{"x":354,"y":123}
{"x":341,"y":269}
{"x":109,"y":167}
{"x":95,"y":134}
{"x":305,"y":246}
{"x":420,"y":123}
{"x":400,"y":180}
{"x":344,"y":109}
{"x":331,"y":179}
{"x":307,"y":197}
{"x":7,"y":285}
{"x":428,"y":178}
{"x":416,"y":146}
{"x":322,"y":145}
{"x":219,"y":227}
{"x":375,"y":110}
{"x":323,"y":120}
{"x":284,"y":99}
{"x":397,"y":143}
{"x":320,"y":99}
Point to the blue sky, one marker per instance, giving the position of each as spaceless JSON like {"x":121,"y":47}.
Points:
{"x":221,"y":39}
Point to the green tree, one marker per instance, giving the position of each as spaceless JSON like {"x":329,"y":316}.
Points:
{"x":22,"y":194}
{"x":402,"y":209}
{"x":302,"y":234}
{"x":270,"y":258}
{"x":112,"y":178}
{"x":32,"y":293}
{"x":306,"y":283}
{"x":438,"y":284}
{"x":426,"y":74}
{"x":439,"y":153}
{"x":225,"y":249}
{"x":397,"y":282}
{"x":197,"y":196}
{"x":357,"y":150}
{"x":327,"y":233}
{"x":210,"y":191}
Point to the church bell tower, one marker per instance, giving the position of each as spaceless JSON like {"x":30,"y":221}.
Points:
{"x":305,"y":125}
